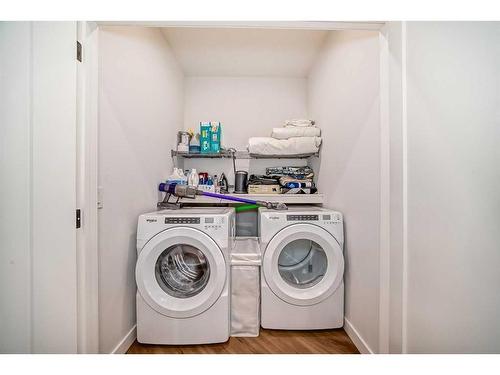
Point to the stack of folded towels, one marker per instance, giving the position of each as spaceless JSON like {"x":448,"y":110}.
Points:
{"x":295,"y":137}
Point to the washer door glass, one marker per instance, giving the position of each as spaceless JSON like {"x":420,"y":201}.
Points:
{"x":182,"y":271}
{"x":302,"y":263}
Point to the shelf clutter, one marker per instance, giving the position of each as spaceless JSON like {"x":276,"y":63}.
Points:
{"x":297,"y":139}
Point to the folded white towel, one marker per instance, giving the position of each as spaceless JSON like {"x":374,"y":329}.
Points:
{"x":299,"y":122}
{"x":291,"y":146}
{"x":296,"y":131}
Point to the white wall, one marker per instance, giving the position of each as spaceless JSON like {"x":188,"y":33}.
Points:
{"x":237,"y":51}
{"x":246,"y":107}
{"x":344,"y":101}
{"x":141,"y":101}
{"x":37,"y":198}
{"x":15,"y":135}
{"x":453,"y":187}
{"x":393,"y":33}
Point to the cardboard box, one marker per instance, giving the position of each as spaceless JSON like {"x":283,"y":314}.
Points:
{"x":263,"y":189}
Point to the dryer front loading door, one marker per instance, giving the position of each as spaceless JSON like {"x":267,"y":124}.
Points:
{"x":181,"y":272}
{"x":303,"y":264}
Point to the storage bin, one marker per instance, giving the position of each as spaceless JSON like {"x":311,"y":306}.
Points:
{"x":247,"y":223}
{"x":245,"y":287}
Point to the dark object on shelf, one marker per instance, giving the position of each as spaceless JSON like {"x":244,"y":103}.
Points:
{"x":295,"y":172}
{"x":223,"y":184}
{"x":256,"y":179}
{"x":240,"y":182}
{"x":312,"y":190}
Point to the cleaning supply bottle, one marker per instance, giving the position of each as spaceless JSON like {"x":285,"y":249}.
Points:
{"x":193,"y":179}
{"x":177,"y":177}
{"x":216,"y":184}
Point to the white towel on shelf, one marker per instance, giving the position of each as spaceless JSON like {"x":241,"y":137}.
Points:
{"x":299,"y":123}
{"x":291,"y":146}
{"x":295,"y":131}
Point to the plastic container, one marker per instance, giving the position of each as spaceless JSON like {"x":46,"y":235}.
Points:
{"x":245,"y":287}
{"x":177,"y":177}
{"x":247,"y":223}
{"x":193,"y":178}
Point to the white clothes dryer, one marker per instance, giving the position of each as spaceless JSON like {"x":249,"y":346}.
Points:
{"x":182,"y":275}
{"x":302,"y":269}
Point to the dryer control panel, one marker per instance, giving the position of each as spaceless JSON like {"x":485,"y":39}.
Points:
{"x":326,"y":218}
{"x":302,"y":217}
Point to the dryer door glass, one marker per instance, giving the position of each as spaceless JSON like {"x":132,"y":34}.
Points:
{"x":182,"y":271}
{"x":302,"y":263}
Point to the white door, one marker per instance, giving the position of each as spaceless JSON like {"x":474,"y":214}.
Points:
{"x":303,"y":264}
{"x":38,"y":306}
{"x":181,"y":272}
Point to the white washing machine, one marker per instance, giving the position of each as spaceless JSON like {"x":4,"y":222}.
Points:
{"x":182,"y":276}
{"x":302,"y":268}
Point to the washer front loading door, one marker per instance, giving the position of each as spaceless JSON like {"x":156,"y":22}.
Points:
{"x":180,"y":272}
{"x":303,"y":264}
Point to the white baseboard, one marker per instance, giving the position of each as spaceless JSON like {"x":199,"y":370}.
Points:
{"x":356,"y":338}
{"x":126,"y":342}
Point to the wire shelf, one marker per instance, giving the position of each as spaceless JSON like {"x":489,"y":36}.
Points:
{"x":239,"y":155}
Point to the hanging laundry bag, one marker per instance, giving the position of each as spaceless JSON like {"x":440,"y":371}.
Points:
{"x":245,"y":287}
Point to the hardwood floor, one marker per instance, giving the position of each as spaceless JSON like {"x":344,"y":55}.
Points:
{"x":333,"y":341}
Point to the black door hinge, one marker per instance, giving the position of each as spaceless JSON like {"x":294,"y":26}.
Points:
{"x":78,"y":51}
{"x":78,"y":218}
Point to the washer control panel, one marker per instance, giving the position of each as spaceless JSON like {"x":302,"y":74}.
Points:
{"x":332,"y":219}
{"x":214,"y":223}
{"x":182,"y":220}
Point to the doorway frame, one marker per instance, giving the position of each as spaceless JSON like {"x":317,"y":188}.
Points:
{"x":88,"y":241}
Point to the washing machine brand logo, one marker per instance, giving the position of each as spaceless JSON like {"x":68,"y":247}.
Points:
{"x":274,"y":217}
{"x":151,"y":220}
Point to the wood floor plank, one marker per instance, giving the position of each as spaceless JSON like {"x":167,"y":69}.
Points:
{"x":334,"y":341}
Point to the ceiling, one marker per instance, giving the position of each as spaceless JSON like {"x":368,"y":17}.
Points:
{"x":245,"y":52}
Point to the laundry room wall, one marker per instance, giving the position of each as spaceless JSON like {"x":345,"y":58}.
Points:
{"x":246,"y":107}
{"x":453,"y":127}
{"x":140,"y":111}
{"x":15,"y":174}
{"x":344,"y":102}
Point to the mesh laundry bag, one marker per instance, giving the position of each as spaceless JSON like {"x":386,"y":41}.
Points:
{"x":245,"y":287}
